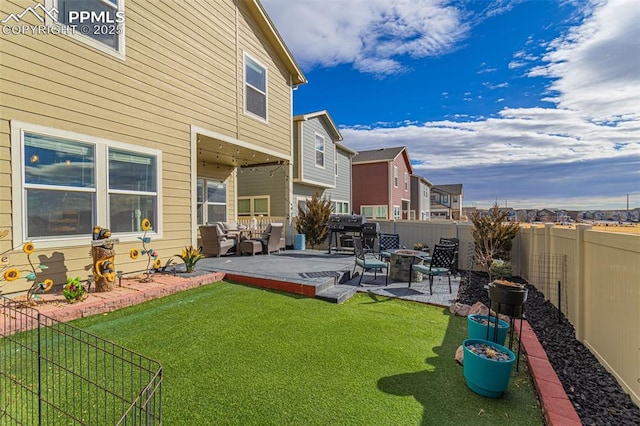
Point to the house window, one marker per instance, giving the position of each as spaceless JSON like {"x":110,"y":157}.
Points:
{"x":319,"y":150}
{"x":396,"y":212}
{"x":211,"y":201}
{"x":132,"y":189}
{"x":254,"y":206}
{"x":255,"y":83}
{"x":445,"y":199}
{"x":340,"y":207}
{"x":395,"y":176}
{"x":70,"y":182}
{"x":99,"y":23}
{"x":455,"y":198}
{"x":406,"y":182}
{"x":374,"y":212}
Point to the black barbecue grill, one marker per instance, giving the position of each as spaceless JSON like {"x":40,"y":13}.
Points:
{"x":343,"y":227}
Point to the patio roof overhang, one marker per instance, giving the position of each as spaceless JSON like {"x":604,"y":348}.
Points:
{"x":218,"y":149}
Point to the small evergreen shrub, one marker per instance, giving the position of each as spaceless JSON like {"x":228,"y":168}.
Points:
{"x":313,"y":220}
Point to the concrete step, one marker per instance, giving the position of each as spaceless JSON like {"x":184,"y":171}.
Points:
{"x":337,"y":293}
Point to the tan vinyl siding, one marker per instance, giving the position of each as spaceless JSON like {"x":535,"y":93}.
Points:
{"x":183,"y":68}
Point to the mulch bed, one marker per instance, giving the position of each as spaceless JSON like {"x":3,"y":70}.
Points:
{"x":594,"y":392}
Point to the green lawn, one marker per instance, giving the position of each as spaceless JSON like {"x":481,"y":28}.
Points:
{"x":234,"y":354}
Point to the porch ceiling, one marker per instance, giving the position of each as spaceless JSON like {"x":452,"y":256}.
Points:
{"x":212,"y":151}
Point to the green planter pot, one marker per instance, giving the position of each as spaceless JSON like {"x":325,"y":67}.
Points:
{"x":485,"y":376}
{"x":478,"y":325}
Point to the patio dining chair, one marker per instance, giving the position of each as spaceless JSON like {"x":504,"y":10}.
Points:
{"x":387,"y":243}
{"x":367,"y":261}
{"x":440,"y":265}
{"x":455,"y":242}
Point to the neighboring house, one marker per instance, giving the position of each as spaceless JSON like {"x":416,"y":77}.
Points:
{"x":151,"y":122}
{"x":320,"y":164}
{"x":381,"y":183}
{"x":446,"y":201}
{"x":420,"y":198}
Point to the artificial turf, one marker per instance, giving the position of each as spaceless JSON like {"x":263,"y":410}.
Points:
{"x":234,"y":354}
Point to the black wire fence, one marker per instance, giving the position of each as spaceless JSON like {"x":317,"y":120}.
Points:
{"x":52,"y":373}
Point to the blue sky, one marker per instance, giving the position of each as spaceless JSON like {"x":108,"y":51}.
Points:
{"x":531,"y":103}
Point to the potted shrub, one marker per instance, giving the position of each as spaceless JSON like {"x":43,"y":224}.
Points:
{"x":487,"y":367}
{"x":74,"y":291}
{"x":480,"y":328}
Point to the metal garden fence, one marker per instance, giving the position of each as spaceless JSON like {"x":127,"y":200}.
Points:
{"x":52,"y":373}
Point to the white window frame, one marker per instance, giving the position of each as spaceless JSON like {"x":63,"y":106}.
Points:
{"x":341,"y":207}
{"x":205,"y":202}
{"x":397,"y":212}
{"x":252,"y":211}
{"x":322,"y":151}
{"x":248,"y":113}
{"x":445,"y":199}
{"x":395,"y":176}
{"x":77,"y":34}
{"x":406,"y":181}
{"x":102,"y":192}
{"x":377,"y":211}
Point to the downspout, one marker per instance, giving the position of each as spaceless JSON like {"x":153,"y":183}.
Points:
{"x":289,"y":176}
{"x":390,"y":178}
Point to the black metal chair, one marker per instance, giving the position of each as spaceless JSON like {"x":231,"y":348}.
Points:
{"x":388,"y":242}
{"x":368,"y":262}
{"x":440,"y":265}
{"x":455,"y":242}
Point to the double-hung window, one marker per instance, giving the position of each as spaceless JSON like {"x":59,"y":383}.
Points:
{"x":255,"y":85}
{"x":65,"y":183}
{"x":319,"y":150}
{"x":211,"y":201}
{"x":99,"y":23}
{"x":395,"y":176}
{"x":406,"y":182}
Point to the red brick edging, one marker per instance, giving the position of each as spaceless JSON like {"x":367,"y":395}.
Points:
{"x":556,"y":406}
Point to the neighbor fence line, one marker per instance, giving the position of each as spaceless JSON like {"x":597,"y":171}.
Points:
{"x":599,"y":275}
{"x":54,"y":373}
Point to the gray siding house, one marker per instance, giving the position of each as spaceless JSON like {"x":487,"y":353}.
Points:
{"x":319,"y":163}
{"x":420,"y":198}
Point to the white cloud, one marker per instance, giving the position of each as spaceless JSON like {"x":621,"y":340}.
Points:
{"x":596,"y":66}
{"x":370,"y":34}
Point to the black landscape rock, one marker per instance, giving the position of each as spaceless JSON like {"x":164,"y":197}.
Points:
{"x":594,"y":392}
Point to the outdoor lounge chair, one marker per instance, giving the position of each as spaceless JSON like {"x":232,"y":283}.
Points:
{"x":366,"y":261}
{"x":271,"y":238}
{"x":214,"y":240}
{"x":440,"y":265}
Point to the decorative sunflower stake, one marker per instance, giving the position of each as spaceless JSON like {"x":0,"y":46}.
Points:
{"x":10,"y":274}
{"x":153,"y":261}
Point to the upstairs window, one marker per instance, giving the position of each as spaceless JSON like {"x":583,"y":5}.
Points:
{"x":406,"y":182}
{"x":395,"y":176}
{"x":319,"y":151}
{"x":255,"y":85}
{"x":99,"y":23}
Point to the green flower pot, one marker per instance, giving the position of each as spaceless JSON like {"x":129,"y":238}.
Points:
{"x":485,"y":376}
{"x":478,"y":325}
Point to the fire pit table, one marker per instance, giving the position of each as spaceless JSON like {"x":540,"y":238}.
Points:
{"x":400,"y":264}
